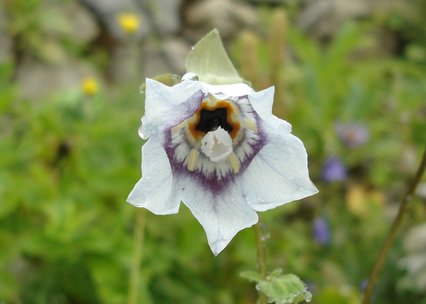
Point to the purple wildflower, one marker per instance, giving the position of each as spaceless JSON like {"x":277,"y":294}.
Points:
{"x":352,"y":135}
{"x":333,"y":170}
{"x":321,"y":231}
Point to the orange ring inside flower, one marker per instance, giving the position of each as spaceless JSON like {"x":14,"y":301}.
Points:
{"x":231,"y":117}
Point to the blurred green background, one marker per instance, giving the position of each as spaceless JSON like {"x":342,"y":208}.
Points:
{"x":350,"y":77}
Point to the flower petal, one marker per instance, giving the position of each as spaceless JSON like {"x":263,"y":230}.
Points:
{"x":165,"y":105}
{"x":226,"y":91}
{"x":278,"y":174}
{"x":262,"y":103}
{"x":154,"y":191}
{"x":222,"y":215}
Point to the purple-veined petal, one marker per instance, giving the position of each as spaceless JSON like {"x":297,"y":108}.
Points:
{"x":278,"y":174}
{"x":154,"y":191}
{"x":222,"y":215}
{"x":166,"y":105}
{"x":262,"y":103}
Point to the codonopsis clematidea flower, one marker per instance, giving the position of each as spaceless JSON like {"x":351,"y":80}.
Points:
{"x":214,"y":144}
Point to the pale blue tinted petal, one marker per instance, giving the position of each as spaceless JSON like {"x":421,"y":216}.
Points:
{"x":222,"y":215}
{"x":167,"y":105}
{"x":262,"y":103}
{"x":209,"y":61}
{"x":278,"y":174}
{"x":154,"y":191}
{"x":225,"y":91}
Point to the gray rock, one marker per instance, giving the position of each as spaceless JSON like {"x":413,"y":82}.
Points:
{"x":5,"y":39}
{"x":322,"y":18}
{"x":421,"y":190}
{"x":125,"y":64}
{"x":154,"y":61}
{"x":415,"y":239}
{"x":107,"y":12}
{"x":165,"y":58}
{"x":225,"y":15}
{"x":165,"y":15}
{"x":37,"y":80}
{"x":414,"y":261}
{"x":175,"y":52}
{"x":71,"y":21}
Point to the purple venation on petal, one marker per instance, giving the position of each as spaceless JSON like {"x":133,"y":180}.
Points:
{"x":352,"y":135}
{"x":212,"y":183}
{"x":333,"y":170}
{"x":321,"y":231}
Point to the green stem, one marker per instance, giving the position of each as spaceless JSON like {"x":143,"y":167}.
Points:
{"x":137,"y":257}
{"x":393,"y":230}
{"x":261,"y":258}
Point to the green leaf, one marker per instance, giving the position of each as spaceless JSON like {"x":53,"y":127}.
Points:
{"x":210,"y":62}
{"x":359,"y":102}
{"x":418,"y":130}
{"x":284,"y":289}
{"x":252,"y":276}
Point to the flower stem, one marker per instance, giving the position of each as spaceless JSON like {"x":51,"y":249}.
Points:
{"x":261,"y":258}
{"x":137,"y":257}
{"x":393,"y":230}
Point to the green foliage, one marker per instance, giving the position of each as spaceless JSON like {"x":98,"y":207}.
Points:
{"x":69,"y":161}
{"x":280,"y":288}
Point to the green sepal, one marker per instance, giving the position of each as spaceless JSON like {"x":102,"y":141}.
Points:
{"x":210,"y":62}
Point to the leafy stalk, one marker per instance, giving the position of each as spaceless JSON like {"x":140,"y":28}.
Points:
{"x":403,"y":207}
{"x":261,"y":258}
{"x":137,"y":257}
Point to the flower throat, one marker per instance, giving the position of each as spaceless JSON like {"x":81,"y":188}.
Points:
{"x":211,"y":120}
{"x":214,"y":114}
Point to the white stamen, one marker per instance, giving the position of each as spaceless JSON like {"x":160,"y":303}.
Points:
{"x":217,"y":145}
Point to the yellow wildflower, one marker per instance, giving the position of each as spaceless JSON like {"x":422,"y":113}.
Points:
{"x":128,"y":22}
{"x":90,"y":86}
{"x":360,"y":200}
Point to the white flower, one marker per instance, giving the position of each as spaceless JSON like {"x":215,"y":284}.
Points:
{"x":219,"y":150}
